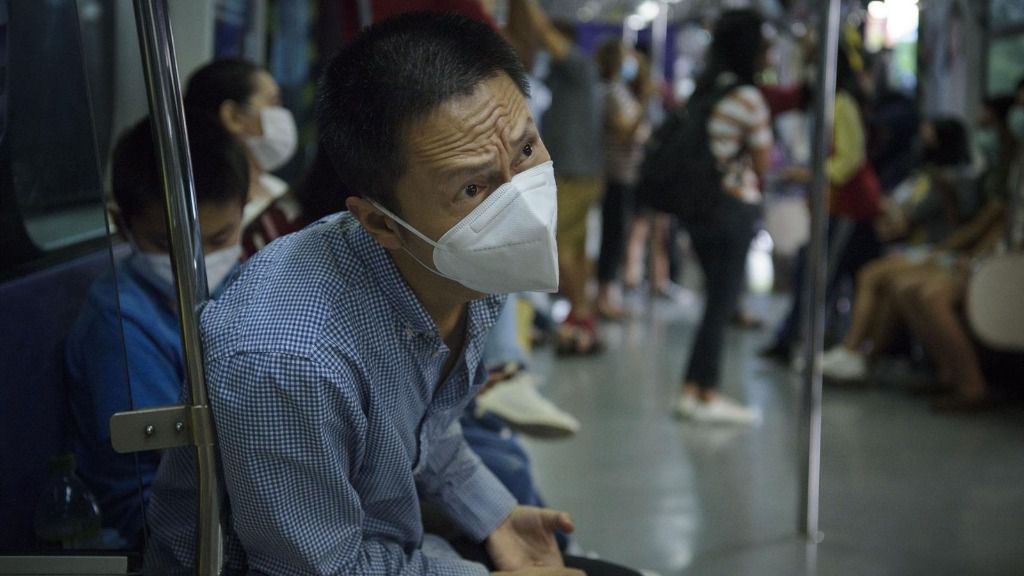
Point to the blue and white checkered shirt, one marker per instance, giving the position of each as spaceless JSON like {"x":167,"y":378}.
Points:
{"x":324,"y":377}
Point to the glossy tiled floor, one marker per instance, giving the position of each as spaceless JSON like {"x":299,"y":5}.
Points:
{"x":904,"y":491}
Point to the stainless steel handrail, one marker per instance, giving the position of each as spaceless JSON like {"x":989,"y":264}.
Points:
{"x":816,"y":272}
{"x":168,"y":117}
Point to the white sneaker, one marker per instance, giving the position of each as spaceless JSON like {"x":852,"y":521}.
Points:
{"x":840,"y":363}
{"x":686,"y":406}
{"x":719,"y":410}
{"x":521,"y":406}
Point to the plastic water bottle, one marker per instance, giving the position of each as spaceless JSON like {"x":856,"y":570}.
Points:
{"x":67,"y":513}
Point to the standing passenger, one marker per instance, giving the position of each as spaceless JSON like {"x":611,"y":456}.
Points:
{"x":572,"y":132}
{"x":740,"y":139}
{"x":625,"y":131}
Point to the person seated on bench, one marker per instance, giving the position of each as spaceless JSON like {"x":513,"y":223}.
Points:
{"x":129,"y":323}
{"x":340,"y":360}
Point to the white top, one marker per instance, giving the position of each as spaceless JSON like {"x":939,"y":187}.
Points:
{"x":268,"y":188}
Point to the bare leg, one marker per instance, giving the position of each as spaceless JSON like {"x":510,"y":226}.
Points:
{"x":635,"y":250}
{"x":950,"y":344}
{"x":659,"y":251}
{"x":928,"y":303}
{"x":573,"y":271}
{"x":887,"y":320}
{"x":871,"y":299}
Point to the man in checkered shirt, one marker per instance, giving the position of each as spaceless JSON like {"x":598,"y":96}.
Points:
{"x":338,"y":363}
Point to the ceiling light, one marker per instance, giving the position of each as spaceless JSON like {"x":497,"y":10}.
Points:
{"x":877,"y":9}
{"x":648,"y":10}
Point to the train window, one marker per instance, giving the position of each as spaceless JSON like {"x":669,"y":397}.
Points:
{"x":50,"y":177}
{"x":1006,"y":14}
{"x":60,"y":308}
{"x":1005,"y":55}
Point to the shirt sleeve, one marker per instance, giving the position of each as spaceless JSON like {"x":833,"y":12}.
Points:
{"x":620,"y":108}
{"x":291,"y":434}
{"x":456,"y":480}
{"x":98,"y":359}
{"x":848,"y":146}
{"x":740,"y":121}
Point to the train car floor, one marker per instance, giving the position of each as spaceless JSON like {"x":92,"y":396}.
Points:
{"x":904,"y":490}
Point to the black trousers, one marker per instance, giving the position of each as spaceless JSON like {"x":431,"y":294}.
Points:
{"x":851,"y":245}
{"x":721,"y":242}
{"x":616,"y":213}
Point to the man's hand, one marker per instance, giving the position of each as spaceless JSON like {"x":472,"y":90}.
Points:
{"x":542,"y":572}
{"x":526,"y":539}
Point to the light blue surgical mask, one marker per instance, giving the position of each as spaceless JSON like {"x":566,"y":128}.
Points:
{"x":630,"y":68}
{"x":1015,"y":121}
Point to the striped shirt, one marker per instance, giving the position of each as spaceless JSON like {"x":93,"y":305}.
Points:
{"x":324,"y":376}
{"x":623,"y":156}
{"x":740,"y":124}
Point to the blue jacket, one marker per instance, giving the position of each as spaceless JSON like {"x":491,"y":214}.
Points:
{"x":123,"y":352}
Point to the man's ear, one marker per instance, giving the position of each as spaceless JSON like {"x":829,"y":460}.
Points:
{"x":375,"y":222}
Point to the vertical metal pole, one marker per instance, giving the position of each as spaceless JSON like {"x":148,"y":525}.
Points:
{"x":816,"y":272}
{"x":629,"y":35}
{"x":659,"y":37}
{"x":168,"y":117}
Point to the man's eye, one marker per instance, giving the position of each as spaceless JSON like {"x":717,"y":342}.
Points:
{"x":471,"y":191}
{"x":528,"y":150}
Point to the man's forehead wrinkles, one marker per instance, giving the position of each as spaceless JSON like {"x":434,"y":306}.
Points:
{"x":479,"y":133}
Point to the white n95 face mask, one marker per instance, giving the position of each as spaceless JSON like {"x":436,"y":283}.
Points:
{"x":507,"y":243}
{"x":279,"y":141}
{"x":218,"y":265}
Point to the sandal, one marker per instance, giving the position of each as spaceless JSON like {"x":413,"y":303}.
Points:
{"x":578,"y":338}
{"x":746,"y":321}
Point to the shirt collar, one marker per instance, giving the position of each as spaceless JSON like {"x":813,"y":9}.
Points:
{"x":483,"y":313}
{"x":390,"y":281}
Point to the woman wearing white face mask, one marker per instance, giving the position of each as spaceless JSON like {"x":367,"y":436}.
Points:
{"x":246,"y":101}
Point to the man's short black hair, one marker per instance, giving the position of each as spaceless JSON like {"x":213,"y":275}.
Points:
{"x":394,"y":74}
{"x":219,"y":166}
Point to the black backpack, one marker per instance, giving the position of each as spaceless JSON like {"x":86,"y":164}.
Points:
{"x":680,"y":174}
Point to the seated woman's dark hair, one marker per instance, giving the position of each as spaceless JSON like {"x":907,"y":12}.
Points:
{"x":226,"y":79}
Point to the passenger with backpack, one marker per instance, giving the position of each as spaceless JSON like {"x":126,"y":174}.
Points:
{"x":705,"y":165}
